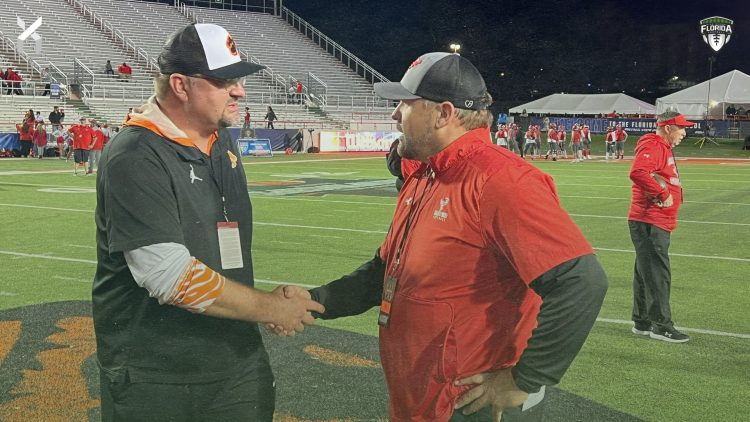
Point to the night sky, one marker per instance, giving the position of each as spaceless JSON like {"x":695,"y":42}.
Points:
{"x":542,"y":47}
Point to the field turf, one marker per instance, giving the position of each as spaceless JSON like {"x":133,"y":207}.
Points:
{"x":318,"y":216}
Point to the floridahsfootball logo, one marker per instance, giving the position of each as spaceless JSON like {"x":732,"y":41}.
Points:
{"x":231,"y":45}
{"x":716,"y":31}
{"x":415,"y":63}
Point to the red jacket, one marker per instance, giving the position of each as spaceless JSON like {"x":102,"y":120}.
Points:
{"x":25,"y":136}
{"x":463,"y":304}
{"x":82,"y":136}
{"x":653,"y":155}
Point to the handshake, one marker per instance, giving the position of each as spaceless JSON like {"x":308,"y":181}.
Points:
{"x":293,"y":310}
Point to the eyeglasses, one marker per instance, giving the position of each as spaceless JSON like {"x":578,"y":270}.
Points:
{"x":221,"y":83}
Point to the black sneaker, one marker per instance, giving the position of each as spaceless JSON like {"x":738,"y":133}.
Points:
{"x":669,"y":334}
{"x":642,"y":330}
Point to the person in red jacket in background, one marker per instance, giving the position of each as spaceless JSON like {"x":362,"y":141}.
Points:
{"x":26,"y":136}
{"x":657,"y":195}
{"x":620,"y":137}
{"x":96,"y":146}
{"x":125,"y":72}
{"x":82,"y":137}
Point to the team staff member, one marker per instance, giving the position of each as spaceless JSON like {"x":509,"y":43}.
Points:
{"x":620,"y":137}
{"x":175,"y":311}
{"x":83,"y":136}
{"x":468,"y":261}
{"x":652,"y":218}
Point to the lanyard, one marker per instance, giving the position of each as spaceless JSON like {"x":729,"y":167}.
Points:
{"x":219,"y":186}
{"x":410,"y":219}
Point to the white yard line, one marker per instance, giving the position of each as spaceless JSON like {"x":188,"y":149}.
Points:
{"x":310,"y":286}
{"x":686,"y":255}
{"x":258,"y":163}
{"x":77,"y":280}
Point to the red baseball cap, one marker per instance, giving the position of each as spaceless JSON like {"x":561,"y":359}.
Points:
{"x":678,"y":120}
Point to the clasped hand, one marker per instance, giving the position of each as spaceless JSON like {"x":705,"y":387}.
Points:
{"x":294,"y":312}
{"x":495,"y":389}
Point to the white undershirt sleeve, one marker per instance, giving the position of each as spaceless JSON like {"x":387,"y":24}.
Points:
{"x":159,"y":268}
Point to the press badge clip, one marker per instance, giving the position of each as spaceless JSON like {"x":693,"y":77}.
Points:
{"x":389,"y":291}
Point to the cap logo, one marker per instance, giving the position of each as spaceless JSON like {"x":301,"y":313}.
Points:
{"x":468,"y":103}
{"x":415,"y":63}
{"x":231,"y":45}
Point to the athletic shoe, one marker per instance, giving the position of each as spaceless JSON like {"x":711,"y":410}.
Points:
{"x":641,"y":331}
{"x":669,"y":334}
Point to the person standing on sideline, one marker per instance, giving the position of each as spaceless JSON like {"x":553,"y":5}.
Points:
{"x":40,"y":140}
{"x":96,"y":146}
{"x":56,"y":117}
{"x":26,"y":136}
{"x":174,"y":307}
{"x":657,"y":196}
{"x":620,"y":137}
{"x":83,"y":135}
{"x":246,"y":123}
{"x":463,"y":271}
{"x":270,"y":117}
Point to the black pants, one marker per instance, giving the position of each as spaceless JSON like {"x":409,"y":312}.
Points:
{"x":652,"y":276}
{"x":535,"y":414}
{"x":26,"y":147}
{"x":249,"y":395}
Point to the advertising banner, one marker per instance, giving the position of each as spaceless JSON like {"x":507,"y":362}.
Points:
{"x":349,"y":140}
{"x":255,"y":147}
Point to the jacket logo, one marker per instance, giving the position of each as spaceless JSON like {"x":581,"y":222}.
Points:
{"x":193,"y":177}
{"x":232,"y":158}
{"x":439,"y":214}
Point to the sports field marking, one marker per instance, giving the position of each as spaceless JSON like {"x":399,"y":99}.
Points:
{"x":688,"y":330}
{"x":260,"y":163}
{"x":622,"y":217}
{"x":4,"y":293}
{"x":310,"y":286}
{"x":77,"y":280}
{"x":628,"y":199}
{"x":686,"y":255}
{"x":616,"y":217}
{"x":620,"y":178}
{"x":27,"y":172}
{"x":82,"y":246}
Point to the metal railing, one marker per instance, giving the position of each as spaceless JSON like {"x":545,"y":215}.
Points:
{"x":84,"y":78}
{"x":317,"y":90}
{"x":332,"y":47}
{"x":19,"y":90}
{"x":185,"y":11}
{"x":118,"y":36}
{"x":31,"y":64}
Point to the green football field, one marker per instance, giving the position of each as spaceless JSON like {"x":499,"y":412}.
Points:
{"x":318,"y":217}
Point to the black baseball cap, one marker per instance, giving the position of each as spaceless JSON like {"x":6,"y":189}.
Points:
{"x":205,"y":49}
{"x":439,"y":77}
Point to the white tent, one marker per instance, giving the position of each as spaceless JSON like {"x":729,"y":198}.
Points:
{"x":731,"y":88}
{"x":586,"y":104}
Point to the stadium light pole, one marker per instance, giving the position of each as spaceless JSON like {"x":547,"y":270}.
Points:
{"x":455,"y":47}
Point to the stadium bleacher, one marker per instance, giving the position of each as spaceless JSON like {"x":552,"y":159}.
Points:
{"x":79,"y":36}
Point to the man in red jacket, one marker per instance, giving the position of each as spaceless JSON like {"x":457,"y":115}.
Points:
{"x":657,"y":195}
{"x":83,"y":136}
{"x":469,"y":260}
